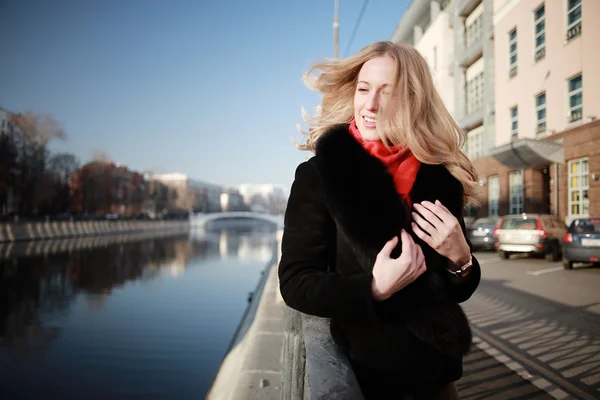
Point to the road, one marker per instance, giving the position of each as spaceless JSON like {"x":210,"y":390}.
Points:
{"x":536,"y":330}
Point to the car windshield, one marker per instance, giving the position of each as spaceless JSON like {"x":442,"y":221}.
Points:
{"x":586,"y":225}
{"x":519,"y":223}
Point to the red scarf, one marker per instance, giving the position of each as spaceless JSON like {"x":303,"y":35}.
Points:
{"x":400,"y":162}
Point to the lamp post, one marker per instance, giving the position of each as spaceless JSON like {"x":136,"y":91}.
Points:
{"x":336,"y":28}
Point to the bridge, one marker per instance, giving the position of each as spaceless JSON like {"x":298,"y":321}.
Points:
{"x":200,"y":219}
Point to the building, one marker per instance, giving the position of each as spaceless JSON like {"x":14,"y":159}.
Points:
{"x":192,"y":194}
{"x":546,"y":156}
{"x":520,"y":96}
{"x":267,"y":198}
{"x":456,"y":39}
{"x":233,"y":201}
{"x":427,"y":25}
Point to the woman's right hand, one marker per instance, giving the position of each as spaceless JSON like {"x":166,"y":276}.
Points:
{"x":392,"y":274}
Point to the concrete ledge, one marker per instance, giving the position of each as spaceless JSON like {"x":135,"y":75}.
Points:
{"x":67,"y":245}
{"x":314,"y":366}
{"x":280,"y":353}
{"x":328,"y":371}
{"x":13,"y":232}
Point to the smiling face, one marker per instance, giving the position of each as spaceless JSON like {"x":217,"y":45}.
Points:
{"x":373,"y":93}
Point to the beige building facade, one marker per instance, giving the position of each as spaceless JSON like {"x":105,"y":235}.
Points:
{"x":546,"y":156}
{"x":525,"y":88}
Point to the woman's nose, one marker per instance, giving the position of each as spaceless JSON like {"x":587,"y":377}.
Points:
{"x":373,"y":102}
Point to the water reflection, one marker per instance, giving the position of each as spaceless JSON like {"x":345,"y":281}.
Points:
{"x":50,"y":304}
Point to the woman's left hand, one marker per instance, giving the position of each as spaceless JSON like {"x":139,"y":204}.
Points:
{"x":437,"y":227}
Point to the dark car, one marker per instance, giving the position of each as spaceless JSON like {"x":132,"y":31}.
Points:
{"x":582,"y":242}
{"x":481,"y":233}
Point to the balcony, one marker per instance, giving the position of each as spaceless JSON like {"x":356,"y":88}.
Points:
{"x":465,"y":7}
{"x":472,"y":53}
{"x":473,"y":48}
{"x":472,"y":120}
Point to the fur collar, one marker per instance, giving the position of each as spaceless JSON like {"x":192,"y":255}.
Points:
{"x":362,"y":197}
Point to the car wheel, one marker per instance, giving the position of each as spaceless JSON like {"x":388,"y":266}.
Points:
{"x":504,"y":254}
{"x":567,"y":264}
{"x":554,"y":254}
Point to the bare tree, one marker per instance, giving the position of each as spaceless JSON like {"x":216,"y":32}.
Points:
{"x":36,"y":131}
{"x":101,"y":156}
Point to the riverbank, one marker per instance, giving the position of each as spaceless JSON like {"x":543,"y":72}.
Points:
{"x":31,"y":248}
{"x":14,"y":232}
{"x":253,"y":366}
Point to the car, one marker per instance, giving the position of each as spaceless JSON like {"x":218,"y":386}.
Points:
{"x":480,"y":233}
{"x":532,"y":234}
{"x":582,"y":242}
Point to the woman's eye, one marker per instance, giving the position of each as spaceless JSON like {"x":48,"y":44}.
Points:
{"x":363,"y":90}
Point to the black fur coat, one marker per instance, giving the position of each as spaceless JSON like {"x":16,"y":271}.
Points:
{"x":343,"y":208}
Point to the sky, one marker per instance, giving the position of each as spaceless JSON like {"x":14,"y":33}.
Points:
{"x":211,"y":89}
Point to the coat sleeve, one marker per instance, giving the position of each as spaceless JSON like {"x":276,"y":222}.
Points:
{"x":462,"y":290}
{"x":307,"y":283}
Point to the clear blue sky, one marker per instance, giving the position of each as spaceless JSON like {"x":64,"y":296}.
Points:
{"x":208,"y":88}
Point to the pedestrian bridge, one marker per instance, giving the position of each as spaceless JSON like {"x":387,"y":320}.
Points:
{"x":200,"y":219}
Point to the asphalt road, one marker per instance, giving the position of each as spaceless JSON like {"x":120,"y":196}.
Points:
{"x":536,"y":329}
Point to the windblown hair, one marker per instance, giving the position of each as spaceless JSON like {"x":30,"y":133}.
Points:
{"x":415,"y":117}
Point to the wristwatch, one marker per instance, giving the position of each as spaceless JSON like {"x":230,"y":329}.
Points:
{"x":462,"y":271}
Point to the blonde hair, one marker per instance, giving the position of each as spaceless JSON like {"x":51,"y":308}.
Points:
{"x":417,"y":117}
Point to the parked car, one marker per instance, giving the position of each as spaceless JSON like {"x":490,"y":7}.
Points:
{"x":534,"y":234}
{"x":582,"y":242}
{"x":481,"y":233}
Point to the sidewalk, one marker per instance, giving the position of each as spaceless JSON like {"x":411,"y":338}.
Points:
{"x":254,"y":367}
{"x":487,"y":378}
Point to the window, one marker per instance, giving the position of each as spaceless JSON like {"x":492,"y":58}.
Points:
{"x":579,"y":201}
{"x":434,"y":58}
{"x":474,"y":31}
{"x":475,"y":94}
{"x":514,"y":122}
{"x":512,"y":53}
{"x":540,"y":112}
{"x":575,"y":99}
{"x":573,"y":19}
{"x":539,"y":21}
{"x":475,"y":144}
{"x":493,"y":196}
{"x":516,"y":192}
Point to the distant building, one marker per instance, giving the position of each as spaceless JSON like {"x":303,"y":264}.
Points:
{"x":267,"y":198}
{"x":233,"y":201}
{"x":194,"y":195}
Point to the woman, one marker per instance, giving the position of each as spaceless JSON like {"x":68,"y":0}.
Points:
{"x":374,"y":236}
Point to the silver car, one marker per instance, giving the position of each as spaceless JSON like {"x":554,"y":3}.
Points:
{"x":534,"y":234}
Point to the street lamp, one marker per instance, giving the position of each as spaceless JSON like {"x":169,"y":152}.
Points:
{"x":336,"y":28}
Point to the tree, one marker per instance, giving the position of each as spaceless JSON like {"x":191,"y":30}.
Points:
{"x":36,"y":131}
{"x":55,"y":196}
{"x":8,"y":166}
